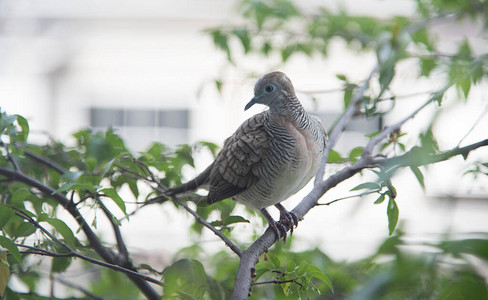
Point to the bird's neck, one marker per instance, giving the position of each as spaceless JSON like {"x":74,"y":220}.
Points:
{"x":291,"y":110}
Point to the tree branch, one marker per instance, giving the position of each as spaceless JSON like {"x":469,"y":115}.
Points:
{"x":53,"y":165}
{"x":72,"y":253}
{"x":95,"y":242}
{"x":340,"y":126}
{"x":123,"y":252}
{"x":415,"y":158}
{"x":218,"y":233}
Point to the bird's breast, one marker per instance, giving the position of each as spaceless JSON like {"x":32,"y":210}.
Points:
{"x":292,"y":161}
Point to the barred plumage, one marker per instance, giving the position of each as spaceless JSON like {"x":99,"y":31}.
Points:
{"x":270,"y":157}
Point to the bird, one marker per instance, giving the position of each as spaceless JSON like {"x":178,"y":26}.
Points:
{"x":270,"y":157}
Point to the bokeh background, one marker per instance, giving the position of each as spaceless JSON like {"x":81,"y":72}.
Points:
{"x":148,"y":69}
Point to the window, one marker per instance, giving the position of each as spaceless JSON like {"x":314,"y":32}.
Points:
{"x":141,"y":127}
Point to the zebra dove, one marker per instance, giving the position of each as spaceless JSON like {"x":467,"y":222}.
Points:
{"x":270,"y":157}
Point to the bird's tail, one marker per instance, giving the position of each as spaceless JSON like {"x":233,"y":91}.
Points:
{"x":192,"y":184}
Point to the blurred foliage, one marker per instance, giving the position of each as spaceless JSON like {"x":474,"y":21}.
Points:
{"x":39,"y":183}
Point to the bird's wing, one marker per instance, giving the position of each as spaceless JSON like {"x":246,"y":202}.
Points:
{"x":242,"y":153}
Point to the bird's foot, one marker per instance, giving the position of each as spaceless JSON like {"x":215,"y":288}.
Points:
{"x":287,"y":218}
{"x":278,"y":228}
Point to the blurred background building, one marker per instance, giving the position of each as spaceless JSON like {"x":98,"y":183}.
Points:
{"x":147,"y":69}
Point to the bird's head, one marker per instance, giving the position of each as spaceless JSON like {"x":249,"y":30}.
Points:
{"x":273,"y":89}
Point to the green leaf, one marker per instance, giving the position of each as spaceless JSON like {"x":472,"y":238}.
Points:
{"x":348,"y":93}
{"x":286,"y":52}
{"x":11,"y":247}
{"x":19,"y":196}
{"x":75,"y":186}
{"x":214,"y":149}
{"x":217,"y":223}
{"x":291,"y":266}
{"x":112,"y":194}
{"x":275,"y":261}
{"x":6,"y":121}
{"x":24,"y":125}
{"x":71,"y":176}
{"x":4,"y":272}
{"x":355,"y":153}
{"x":465,"y":85}
{"x":107,"y":166}
{"x":428,"y":141}
{"x":464,"y":50}
{"x":64,"y":230}
{"x":418,"y":174}
{"x":221,"y":41}
{"x":477,"y":247}
{"x":426,"y":66}
{"x":24,"y":229}
{"x":235,"y":219}
{"x":438,"y":96}
{"x":366,"y":185}
{"x":370,"y":135}
{"x":185,"y":279}
{"x":5,"y":215}
{"x":341,"y":77}
{"x":266,"y":48}
{"x":218,"y":85}
{"x":392,"y":213}
{"x":243,"y":36}
{"x":314,"y":271}
{"x":380,"y":199}
{"x":335,"y":157}
{"x":60,"y":264}
{"x":133,"y":187}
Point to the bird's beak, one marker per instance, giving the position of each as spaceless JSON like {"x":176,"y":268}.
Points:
{"x":251,"y":103}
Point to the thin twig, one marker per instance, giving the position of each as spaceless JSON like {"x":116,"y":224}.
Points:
{"x":480,"y":117}
{"x":77,"y":287}
{"x":277,"y":280}
{"x":349,"y":197}
{"x":72,"y":253}
{"x":46,"y":161}
{"x":218,"y":233}
{"x":367,"y":152}
{"x":341,"y":124}
{"x":12,"y":159}
{"x":412,"y":158}
{"x":118,"y":235}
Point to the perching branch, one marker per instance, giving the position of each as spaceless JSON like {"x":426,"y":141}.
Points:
{"x":218,"y":233}
{"x":250,"y":256}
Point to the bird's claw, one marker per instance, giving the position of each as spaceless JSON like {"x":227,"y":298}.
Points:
{"x":279,"y":230}
{"x":288,"y":219}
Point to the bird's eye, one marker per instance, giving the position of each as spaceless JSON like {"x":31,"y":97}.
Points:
{"x":269,"y":88}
